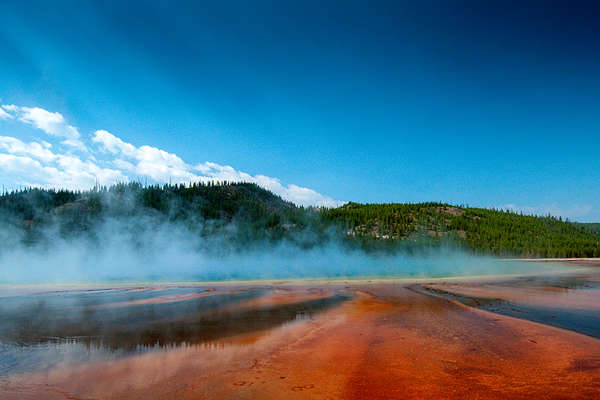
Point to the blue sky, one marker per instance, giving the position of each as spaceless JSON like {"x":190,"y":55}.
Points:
{"x":492,"y":105}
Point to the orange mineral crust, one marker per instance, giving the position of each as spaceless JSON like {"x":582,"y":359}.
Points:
{"x":388,"y":341}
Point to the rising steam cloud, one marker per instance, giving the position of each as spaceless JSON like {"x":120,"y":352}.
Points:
{"x":170,"y":252}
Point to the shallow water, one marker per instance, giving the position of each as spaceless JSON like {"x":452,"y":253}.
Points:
{"x":41,"y":330}
{"x":390,"y":339}
{"x":581,"y":321}
{"x":552,"y":300}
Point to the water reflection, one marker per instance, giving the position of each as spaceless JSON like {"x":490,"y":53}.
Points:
{"x":564,"y":302}
{"x":558,"y":282}
{"x":39,"y":331}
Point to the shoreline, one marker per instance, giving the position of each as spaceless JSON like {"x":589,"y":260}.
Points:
{"x":574,"y":259}
{"x":572,"y":265}
{"x":359,"y":280}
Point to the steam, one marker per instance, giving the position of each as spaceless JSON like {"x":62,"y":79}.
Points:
{"x":140,"y":249}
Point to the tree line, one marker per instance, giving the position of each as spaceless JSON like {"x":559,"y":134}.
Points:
{"x":244,"y":214}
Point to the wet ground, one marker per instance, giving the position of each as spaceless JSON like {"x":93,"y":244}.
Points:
{"x":565,"y":301}
{"x":42,"y":330}
{"x":465,"y":338}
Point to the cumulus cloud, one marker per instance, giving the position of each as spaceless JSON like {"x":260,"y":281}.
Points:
{"x":154,"y":163}
{"x":107,"y":159}
{"x":52,"y":123}
{"x":162,"y":166}
{"x":34,"y":164}
{"x":36,"y":150}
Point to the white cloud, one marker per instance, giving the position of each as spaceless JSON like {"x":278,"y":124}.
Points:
{"x":76,"y":144}
{"x":10,"y":107}
{"x":29,"y":172}
{"x":22,"y":167}
{"x":112,"y":143}
{"x":146,"y":160}
{"x":36,"y":150}
{"x":52,"y":123}
{"x":64,"y":171}
{"x":162,"y":166}
{"x":109,"y":159}
{"x":4,"y":114}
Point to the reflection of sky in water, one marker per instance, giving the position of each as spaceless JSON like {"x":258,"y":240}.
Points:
{"x":552,"y":311}
{"x":93,"y":297}
{"x":43,"y":330}
{"x":277,"y":263}
{"x":559,"y":282}
{"x":581,"y":321}
{"x":15,"y":358}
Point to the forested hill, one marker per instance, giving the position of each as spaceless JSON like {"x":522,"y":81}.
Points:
{"x":235,"y":215}
{"x":240,"y":215}
{"x":483,"y":230}
{"x":244,"y":201}
{"x":591,"y":227}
